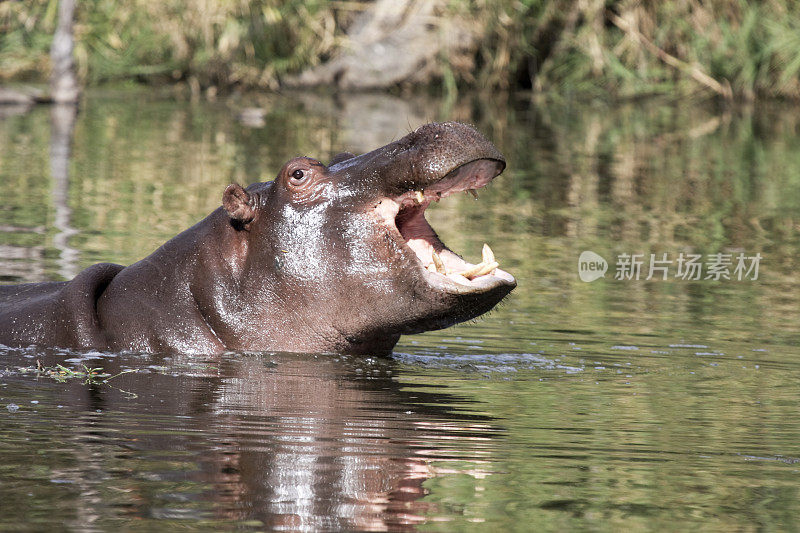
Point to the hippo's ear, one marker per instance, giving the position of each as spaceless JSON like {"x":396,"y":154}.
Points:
{"x":238,"y":203}
{"x":338,"y":158}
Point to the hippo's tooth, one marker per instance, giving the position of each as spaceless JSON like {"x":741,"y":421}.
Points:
{"x":474,"y":193}
{"x":488,"y":254}
{"x":438,"y":262}
{"x":459,"y":278}
{"x":479,"y":270}
{"x":420,"y":196}
{"x":490,"y":268}
{"x":431,"y":268}
{"x":470,"y":272}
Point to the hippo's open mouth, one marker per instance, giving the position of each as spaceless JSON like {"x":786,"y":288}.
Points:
{"x":442,"y":268}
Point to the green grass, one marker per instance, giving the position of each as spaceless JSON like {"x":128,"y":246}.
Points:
{"x":61,"y":373}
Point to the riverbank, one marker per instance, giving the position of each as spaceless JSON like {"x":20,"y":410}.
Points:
{"x":608,"y":50}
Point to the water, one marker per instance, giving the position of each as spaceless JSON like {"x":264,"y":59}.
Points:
{"x":616,"y":404}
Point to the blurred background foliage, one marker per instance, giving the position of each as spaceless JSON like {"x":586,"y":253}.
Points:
{"x":208,"y":42}
{"x":598,"y":48}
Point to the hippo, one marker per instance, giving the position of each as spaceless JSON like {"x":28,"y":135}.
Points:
{"x":333,"y":259}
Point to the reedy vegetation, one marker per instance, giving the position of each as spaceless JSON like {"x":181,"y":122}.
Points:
{"x":602,"y":48}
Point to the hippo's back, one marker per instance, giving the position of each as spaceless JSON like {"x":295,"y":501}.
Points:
{"x":14,"y":295}
{"x":56,"y":313}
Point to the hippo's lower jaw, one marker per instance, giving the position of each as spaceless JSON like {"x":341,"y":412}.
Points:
{"x":444,"y":271}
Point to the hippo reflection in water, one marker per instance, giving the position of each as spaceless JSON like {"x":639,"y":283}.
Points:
{"x":322,"y":259}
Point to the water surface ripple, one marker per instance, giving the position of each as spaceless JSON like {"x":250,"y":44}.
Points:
{"x":632,"y":405}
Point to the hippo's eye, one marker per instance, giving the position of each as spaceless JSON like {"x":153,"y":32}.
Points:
{"x":297,"y":177}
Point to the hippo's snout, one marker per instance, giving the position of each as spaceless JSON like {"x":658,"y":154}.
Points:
{"x":426,"y":166}
{"x":447,"y":147}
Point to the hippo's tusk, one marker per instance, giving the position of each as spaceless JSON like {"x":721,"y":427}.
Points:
{"x":479,"y":270}
{"x":459,"y":278}
{"x":438,"y":262}
{"x":488,"y":254}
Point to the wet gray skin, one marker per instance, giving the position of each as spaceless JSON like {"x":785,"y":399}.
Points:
{"x":322,"y":259}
